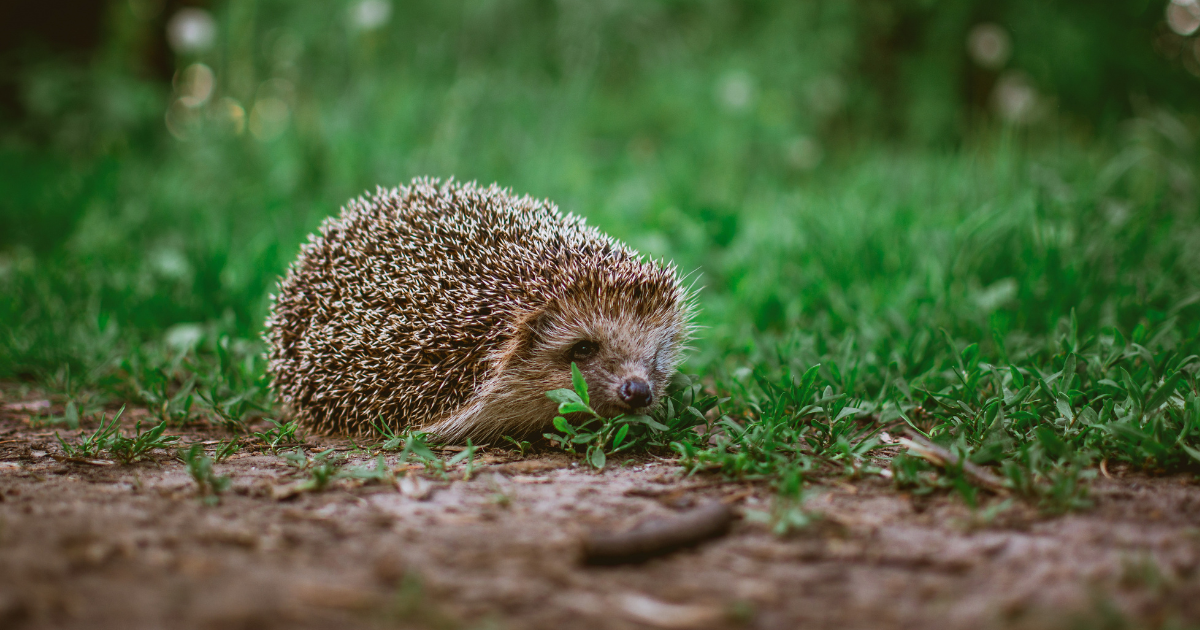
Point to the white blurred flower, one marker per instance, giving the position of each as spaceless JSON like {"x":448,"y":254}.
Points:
{"x":1015,"y":98}
{"x":184,"y":336}
{"x":368,"y":15}
{"x":191,"y":30}
{"x":170,"y":262}
{"x":735,"y":91}
{"x":989,"y":46}
{"x":1183,"y":16}
{"x":195,"y":84}
{"x":996,"y":295}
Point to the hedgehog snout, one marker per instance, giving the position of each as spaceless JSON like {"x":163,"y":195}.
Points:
{"x":635,"y":392}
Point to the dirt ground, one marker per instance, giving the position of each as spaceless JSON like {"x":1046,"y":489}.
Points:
{"x":110,"y":546}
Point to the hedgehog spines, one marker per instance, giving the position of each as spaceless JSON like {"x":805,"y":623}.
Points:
{"x":413,"y":305}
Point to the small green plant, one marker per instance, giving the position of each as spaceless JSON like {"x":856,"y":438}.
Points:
{"x":685,"y":413}
{"x":233,"y":385}
{"x":278,"y":434}
{"x":913,"y":474}
{"x":600,"y":437}
{"x":392,"y":441}
{"x":231,"y":411}
{"x":200,"y":466}
{"x":70,"y":417}
{"x":154,"y":390}
{"x":322,"y":468}
{"x":787,"y":513}
{"x":227,"y":449}
{"x":91,"y":445}
{"x":466,"y":455}
{"x":80,"y":403}
{"x":414,"y":445}
{"x":131,"y":449}
{"x":523,"y":446}
{"x":789,"y":423}
{"x":297,"y":458}
{"x":380,"y":473}
{"x":107,"y":440}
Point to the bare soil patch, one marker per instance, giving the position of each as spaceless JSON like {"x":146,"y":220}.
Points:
{"x":85,"y":546}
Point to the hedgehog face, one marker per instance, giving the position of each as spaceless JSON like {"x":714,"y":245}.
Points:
{"x":623,"y":372}
{"x":626,"y":358}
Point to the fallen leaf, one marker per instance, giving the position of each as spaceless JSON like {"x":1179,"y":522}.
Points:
{"x":660,"y":614}
{"x":28,"y":405}
{"x":528,"y":479}
{"x":415,"y":487}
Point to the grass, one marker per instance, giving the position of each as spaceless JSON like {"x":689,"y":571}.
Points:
{"x":277,"y":434}
{"x":1044,"y":421}
{"x":200,"y":466}
{"x":1027,"y":297}
{"x":107,"y":441}
{"x":322,"y":467}
{"x":604,"y":437}
{"x":227,"y":449}
{"x":954,"y":295}
{"x":1024,"y":329}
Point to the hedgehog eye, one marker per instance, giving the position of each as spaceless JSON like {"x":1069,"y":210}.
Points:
{"x":583,"y":350}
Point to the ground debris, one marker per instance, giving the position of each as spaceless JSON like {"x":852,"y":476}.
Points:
{"x":942,"y":457}
{"x":81,"y":460}
{"x":138,"y":547}
{"x":659,"y":536}
{"x":27,"y":406}
{"x":647,"y":610}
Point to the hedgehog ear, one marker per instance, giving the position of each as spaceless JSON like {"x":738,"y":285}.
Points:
{"x":532,"y":328}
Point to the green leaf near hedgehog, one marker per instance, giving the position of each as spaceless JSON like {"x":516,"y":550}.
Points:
{"x":600,"y":436}
{"x":200,"y":466}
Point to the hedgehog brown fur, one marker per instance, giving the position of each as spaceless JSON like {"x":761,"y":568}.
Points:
{"x":454,"y":308}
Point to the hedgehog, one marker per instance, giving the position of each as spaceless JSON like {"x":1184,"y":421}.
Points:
{"x":453,"y":309}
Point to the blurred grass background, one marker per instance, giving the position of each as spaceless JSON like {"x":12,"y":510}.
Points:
{"x":879,"y":182}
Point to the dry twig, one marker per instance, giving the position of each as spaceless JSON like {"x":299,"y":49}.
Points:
{"x":658,"y":537}
{"x":943,"y":458}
